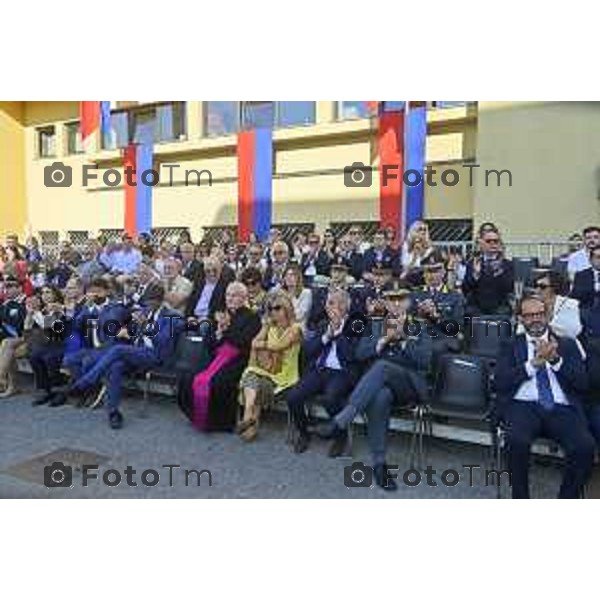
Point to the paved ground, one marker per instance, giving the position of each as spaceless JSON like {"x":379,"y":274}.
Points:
{"x":265,"y":469}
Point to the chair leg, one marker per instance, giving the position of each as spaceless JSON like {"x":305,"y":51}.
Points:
{"x":416,"y":441}
{"x":146,"y":396}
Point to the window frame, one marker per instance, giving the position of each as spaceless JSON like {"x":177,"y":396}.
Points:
{"x":39,"y":131}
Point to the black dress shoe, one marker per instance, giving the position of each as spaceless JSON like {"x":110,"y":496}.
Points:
{"x":383,"y":479}
{"x":327,"y":430}
{"x":43,"y":399}
{"x":58,"y":399}
{"x":115,"y":420}
{"x":339,"y":445}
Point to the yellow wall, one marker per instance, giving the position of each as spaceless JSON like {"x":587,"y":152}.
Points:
{"x":12,"y":168}
{"x":304,"y":188}
{"x":553,"y":152}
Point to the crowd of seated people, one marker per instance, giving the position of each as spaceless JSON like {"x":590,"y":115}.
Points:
{"x":292,"y":320}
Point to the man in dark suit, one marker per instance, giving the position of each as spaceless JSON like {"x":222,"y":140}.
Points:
{"x":489,"y":278}
{"x":586,"y":285}
{"x":208,"y":296}
{"x":397,"y":373}
{"x":379,"y":253}
{"x":315,"y":261}
{"x":146,"y":343}
{"x":332,"y":371}
{"x":192,"y":268}
{"x":540,"y":381}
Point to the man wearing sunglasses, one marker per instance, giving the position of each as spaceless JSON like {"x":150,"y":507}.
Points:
{"x":489,"y":279}
{"x":541,"y":381}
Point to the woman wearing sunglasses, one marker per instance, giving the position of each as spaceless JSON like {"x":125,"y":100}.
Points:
{"x":273,"y":364}
{"x":562,"y":312}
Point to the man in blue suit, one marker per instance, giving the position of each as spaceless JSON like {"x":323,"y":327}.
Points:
{"x":333,"y":371}
{"x":397,"y":373}
{"x":98,"y":323}
{"x":148,"y":344}
{"x":540,"y":381}
{"x":586,"y":286}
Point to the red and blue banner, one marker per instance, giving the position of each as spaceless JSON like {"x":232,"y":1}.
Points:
{"x":138,"y":193}
{"x":255,"y":183}
{"x":93,"y":116}
{"x":401,"y":140}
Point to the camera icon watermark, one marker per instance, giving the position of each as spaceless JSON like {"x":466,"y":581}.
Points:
{"x":58,"y":475}
{"x":358,"y":175}
{"x":58,"y":175}
{"x":358,"y":475}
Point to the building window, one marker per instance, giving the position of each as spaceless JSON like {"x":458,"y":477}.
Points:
{"x":74,"y":144}
{"x":221,"y":118}
{"x":352,"y":110}
{"x":46,"y":140}
{"x":290,"y":114}
{"x":258,"y":114}
{"x":447,"y":103}
{"x":163,"y":122}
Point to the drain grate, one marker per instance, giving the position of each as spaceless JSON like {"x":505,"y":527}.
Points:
{"x":32,"y":470}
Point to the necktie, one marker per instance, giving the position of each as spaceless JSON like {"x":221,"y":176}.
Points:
{"x":324,"y":354}
{"x":545,"y":395}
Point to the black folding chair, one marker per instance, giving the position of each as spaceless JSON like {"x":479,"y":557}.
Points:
{"x":461,"y":392}
{"x":484,"y":336}
{"x":560,"y":265}
{"x":523,"y":269}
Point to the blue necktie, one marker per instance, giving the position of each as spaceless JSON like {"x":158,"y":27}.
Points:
{"x":545,"y":395}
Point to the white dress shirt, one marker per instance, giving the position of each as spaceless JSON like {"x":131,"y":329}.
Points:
{"x":203,"y":304}
{"x":528,"y":391}
{"x":578,"y":261}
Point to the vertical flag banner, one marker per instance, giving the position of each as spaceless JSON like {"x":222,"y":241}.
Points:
{"x":138,"y":194}
{"x":89,"y":118}
{"x":416,"y":137}
{"x":390,"y":145}
{"x":255,"y":183}
{"x":129,"y":161}
{"x":245,"y":149}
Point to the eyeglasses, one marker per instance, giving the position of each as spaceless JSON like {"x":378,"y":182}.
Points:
{"x":534,"y":315}
{"x":491,"y":240}
{"x":542,"y":286}
{"x":275,"y":308}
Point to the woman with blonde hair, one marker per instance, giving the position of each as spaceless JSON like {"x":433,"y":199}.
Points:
{"x":417,"y":246}
{"x":273,"y":365}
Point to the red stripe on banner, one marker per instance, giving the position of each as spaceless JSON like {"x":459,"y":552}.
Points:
{"x":246,"y":147}
{"x":129,"y":161}
{"x":89,"y":118}
{"x":390,"y":138}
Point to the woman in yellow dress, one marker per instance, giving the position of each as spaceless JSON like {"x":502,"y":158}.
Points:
{"x":273,"y":365}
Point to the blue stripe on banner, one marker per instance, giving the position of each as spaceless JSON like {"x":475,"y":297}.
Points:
{"x":416,"y":136}
{"x":143,"y":192}
{"x":263,"y":182}
{"x":105,"y":123}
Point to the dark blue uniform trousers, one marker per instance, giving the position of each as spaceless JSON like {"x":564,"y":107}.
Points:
{"x":564,"y":425}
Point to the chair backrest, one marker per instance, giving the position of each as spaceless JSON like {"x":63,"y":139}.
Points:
{"x":462,"y":382}
{"x":523,"y":268}
{"x":560,"y":265}
{"x":191,"y":352}
{"x":377,"y":327}
{"x":484,"y":335}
